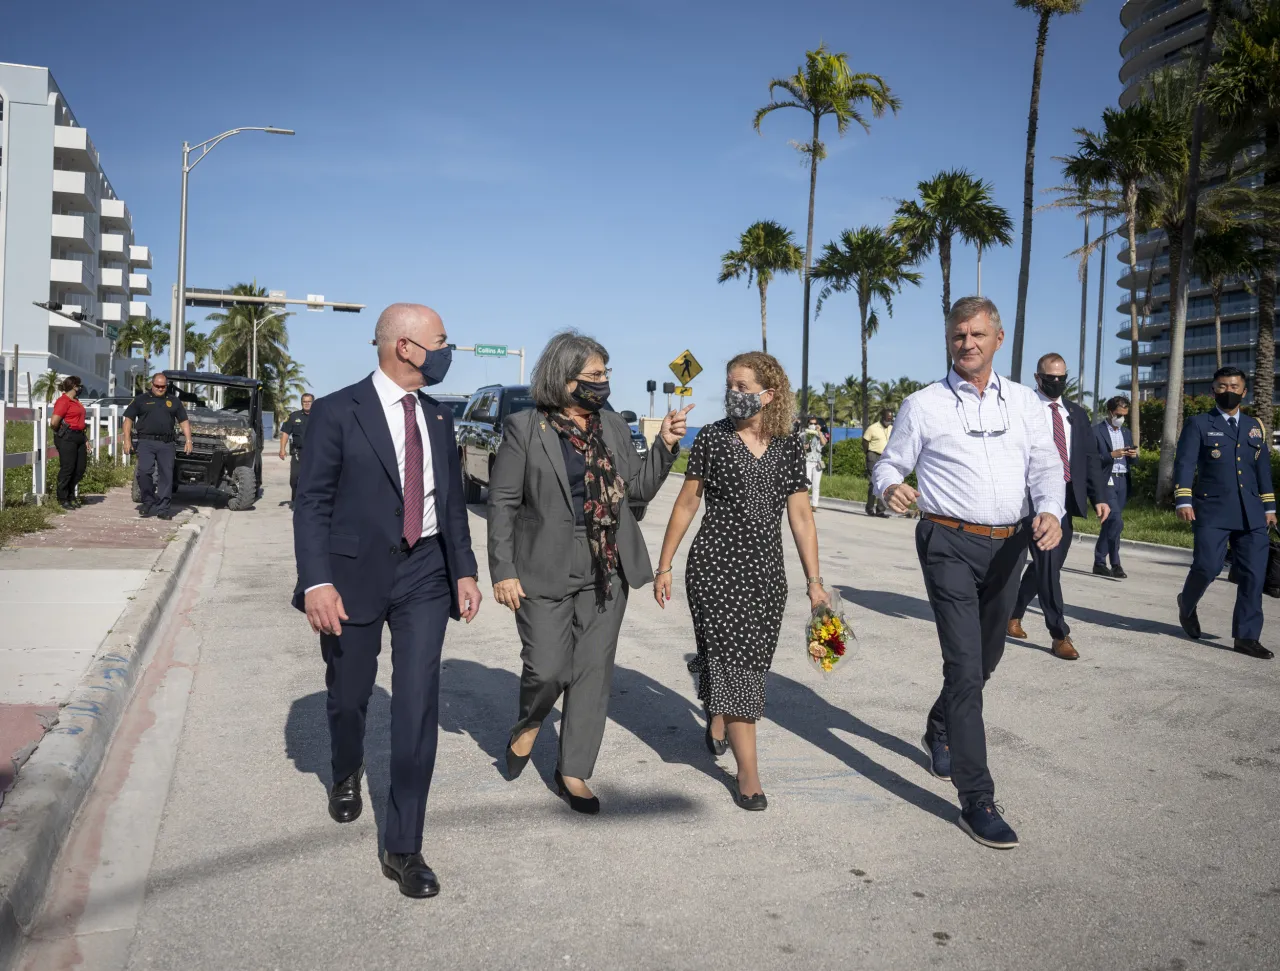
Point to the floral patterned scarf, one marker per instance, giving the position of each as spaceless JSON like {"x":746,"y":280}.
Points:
{"x":605,"y":491}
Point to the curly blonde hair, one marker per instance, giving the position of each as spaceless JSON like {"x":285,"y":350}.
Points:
{"x":779,"y":414}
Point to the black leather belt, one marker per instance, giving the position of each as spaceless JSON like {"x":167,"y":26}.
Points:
{"x":156,"y":438}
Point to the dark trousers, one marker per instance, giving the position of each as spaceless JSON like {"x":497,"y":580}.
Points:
{"x":157,"y":455}
{"x":72,"y":459}
{"x":1108,"y":546}
{"x":569,"y":647}
{"x":417,"y":615}
{"x":295,"y":463}
{"x":1043,"y":579}
{"x":972,"y":582}
{"x":1250,"y":549}
{"x":874,"y":503}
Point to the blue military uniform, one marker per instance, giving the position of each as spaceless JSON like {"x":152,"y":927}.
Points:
{"x":1223,"y":471}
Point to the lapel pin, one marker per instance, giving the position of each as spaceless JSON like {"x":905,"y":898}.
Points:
{"x":439,"y":417}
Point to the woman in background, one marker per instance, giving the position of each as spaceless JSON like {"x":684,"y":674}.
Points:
{"x":68,"y":423}
{"x":750,"y":467}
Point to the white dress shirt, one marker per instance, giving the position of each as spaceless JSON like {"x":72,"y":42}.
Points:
{"x":1062,"y":413}
{"x":391,"y":395}
{"x":976,"y":456}
{"x":1119,"y":466}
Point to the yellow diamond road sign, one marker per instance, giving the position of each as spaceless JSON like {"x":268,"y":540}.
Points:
{"x":686,"y":367}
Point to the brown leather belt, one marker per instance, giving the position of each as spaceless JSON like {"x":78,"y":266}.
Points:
{"x":991,"y":532}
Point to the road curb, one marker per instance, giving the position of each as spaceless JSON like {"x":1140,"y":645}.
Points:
{"x":38,"y":812}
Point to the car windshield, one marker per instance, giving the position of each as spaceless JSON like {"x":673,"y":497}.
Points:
{"x":512,"y":403}
{"x":458,"y":407}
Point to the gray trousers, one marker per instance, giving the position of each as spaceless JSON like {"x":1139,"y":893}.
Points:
{"x":569,"y":646}
{"x":157,"y":455}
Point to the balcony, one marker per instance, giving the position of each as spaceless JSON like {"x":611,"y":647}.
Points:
{"x":1177,"y":37}
{"x":113,"y":313}
{"x":110,"y":278}
{"x":72,"y":189}
{"x":140,"y":283}
{"x":113,"y":244}
{"x":139,"y":308}
{"x":1132,"y":15}
{"x":140,"y":256}
{"x":70,"y":232}
{"x":1161,"y":348}
{"x":71,"y":274}
{"x":74,"y":143}
{"x":115,"y":214}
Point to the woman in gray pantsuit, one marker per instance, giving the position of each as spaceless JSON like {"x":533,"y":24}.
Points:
{"x":564,"y":547}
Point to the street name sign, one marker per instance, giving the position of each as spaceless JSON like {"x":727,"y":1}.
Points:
{"x":491,"y":350}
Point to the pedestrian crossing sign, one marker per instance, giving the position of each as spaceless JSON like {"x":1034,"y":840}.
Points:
{"x":685,"y":367}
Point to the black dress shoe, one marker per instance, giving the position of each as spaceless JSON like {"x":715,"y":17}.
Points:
{"x":752,"y":804}
{"x":516,"y":763}
{"x":1190,"y":622}
{"x":587,"y":805}
{"x":1102,"y":570}
{"x":1118,"y":572}
{"x":1252,"y":648}
{"x":345,"y":803}
{"x":144,"y":511}
{"x":411,"y":873}
{"x":716,"y":746}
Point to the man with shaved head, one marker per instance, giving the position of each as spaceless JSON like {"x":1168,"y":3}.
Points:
{"x":381,"y":538}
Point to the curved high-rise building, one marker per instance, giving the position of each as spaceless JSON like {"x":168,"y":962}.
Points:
{"x":1158,"y":33}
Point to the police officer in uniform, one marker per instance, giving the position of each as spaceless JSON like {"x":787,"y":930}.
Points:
{"x":292,"y":434}
{"x":1231,"y":501}
{"x":154,"y":413}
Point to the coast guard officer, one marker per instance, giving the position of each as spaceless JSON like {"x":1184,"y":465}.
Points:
{"x":1231,"y":500}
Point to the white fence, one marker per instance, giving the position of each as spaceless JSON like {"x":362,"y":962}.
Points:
{"x":38,"y":458}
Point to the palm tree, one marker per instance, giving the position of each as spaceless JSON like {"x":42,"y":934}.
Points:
{"x":825,"y":87}
{"x":1046,"y":10}
{"x":46,"y":386}
{"x":1243,"y":89}
{"x":235,"y":332}
{"x":891,"y":394}
{"x":764,"y":249}
{"x":951,"y":204}
{"x":1220,"y":256}
{"x":198,"y":345}
{"x":283,"y":385}
{"x":1132,"y":148}
{"x":147,"y":333}
{"x":873,"y":264}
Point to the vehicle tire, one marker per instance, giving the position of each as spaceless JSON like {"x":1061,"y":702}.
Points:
{"x":135,"y":490}
{"x":470,"y":490}
{"x":244,"y":489}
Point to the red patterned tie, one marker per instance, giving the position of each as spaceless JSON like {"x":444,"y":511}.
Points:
{"x":413,"y":491}
{"x":1060,"y":439}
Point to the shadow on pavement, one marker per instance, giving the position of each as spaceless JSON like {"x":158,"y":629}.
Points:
{"x":805,"y":713}
{"x":897,"y":605}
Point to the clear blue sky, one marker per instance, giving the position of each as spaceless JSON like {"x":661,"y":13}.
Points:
{"x":527,"y":167}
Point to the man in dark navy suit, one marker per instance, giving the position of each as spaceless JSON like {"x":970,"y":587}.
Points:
{"x":1082,"y":473}
{"x":1222,"y":484}
{"x":381,"y":537}
{"x":1114,"y":442}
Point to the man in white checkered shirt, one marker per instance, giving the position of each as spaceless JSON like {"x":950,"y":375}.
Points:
{"x":984,"y":458}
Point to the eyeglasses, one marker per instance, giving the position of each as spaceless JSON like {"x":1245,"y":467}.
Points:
{"x":159,"y":387}
{"x":596,"y":375}
{"x":1002,"y":410}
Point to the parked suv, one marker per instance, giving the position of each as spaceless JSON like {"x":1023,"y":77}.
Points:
{"x":479,"y":433}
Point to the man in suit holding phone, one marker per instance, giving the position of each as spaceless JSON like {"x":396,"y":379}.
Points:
{"x":381,"y":538}
{"x":1114,"y":443}
{"x":1082,"y":473}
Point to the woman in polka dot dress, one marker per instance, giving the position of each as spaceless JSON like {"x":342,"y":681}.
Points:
{"x":749,"y":467}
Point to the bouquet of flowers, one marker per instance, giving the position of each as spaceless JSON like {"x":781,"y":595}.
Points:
{"x":828,"y":636}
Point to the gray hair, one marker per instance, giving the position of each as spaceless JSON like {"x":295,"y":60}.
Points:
{"x":966,"y":308}
{"x":562,"y":360}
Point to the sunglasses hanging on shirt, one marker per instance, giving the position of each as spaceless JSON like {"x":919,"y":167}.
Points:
{"x":1002,"y":409}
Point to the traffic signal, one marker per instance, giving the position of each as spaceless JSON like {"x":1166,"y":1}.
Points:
{"x":669,"y":388}
{"x":651,"y":386}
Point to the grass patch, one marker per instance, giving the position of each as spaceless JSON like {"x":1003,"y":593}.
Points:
{"x":15,"y":520}
{"x":1147,"y":524}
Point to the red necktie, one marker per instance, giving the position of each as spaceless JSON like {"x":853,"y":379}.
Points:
{"x":413,"y":491}
{"x":1060,"y":439}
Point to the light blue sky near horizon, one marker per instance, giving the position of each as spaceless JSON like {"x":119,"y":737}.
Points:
{"x":578,"y":164}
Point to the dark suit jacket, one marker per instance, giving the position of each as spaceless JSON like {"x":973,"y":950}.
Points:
{"x":1087,"y":482}
{"x":1102,"y":442}
{"x":531,"y":518}
{"x":1224,"y":476}
{"x":347,"y":518}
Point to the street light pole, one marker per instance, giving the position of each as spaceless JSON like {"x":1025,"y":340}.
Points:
{"x":253,"y":347}
{"x":177,"y":327}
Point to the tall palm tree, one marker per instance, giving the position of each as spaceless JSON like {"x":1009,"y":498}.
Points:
{"x":46,"y":386}
{"x":1221,"y":256}
{"x":1243,"y":88}
{"x":873,"y":264}
{"x":1045,"y":10}
{"x":235,"y":330}
{"x":951,"y":204}
{"x":284,"y":385}
{"x":1131,"y":148}
{"x":823,"y":87}
{"x":198,"y":345}
{"x":147,"y":333}
{"x":765,"y":248}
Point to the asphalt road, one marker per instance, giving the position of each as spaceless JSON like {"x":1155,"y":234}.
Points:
{"x":1143,"y":780}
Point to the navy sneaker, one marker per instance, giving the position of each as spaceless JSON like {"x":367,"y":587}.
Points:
{"x":981,"y":819}
{"x":939,"y":756}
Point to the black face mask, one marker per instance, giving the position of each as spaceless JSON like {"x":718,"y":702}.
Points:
{"x":590,"y":395}
{"x":1228,"y":400}
{"x":1052,"y":384}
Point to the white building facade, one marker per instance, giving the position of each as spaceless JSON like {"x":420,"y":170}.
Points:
{"x":66,"y":241}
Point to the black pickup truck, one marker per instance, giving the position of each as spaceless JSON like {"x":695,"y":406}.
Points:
{"x":479,"y":433}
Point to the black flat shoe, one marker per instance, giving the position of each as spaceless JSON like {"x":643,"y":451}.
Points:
{"x":1102,"y":570}
{"x":516,"y":763}
{"x":752,"y":804}
{"x":1190,"y":622}
{"x":411,"y":873}
{"x":587,"y":805}
{"x":1118,"y":573}
{"x":345,"y":803}
{"x":1252,"y":648}
{"x":716,"y":746}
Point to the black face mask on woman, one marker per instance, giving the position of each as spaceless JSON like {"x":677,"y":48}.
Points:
{"x":1228,"y":400}
{"x":590,"y":395}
